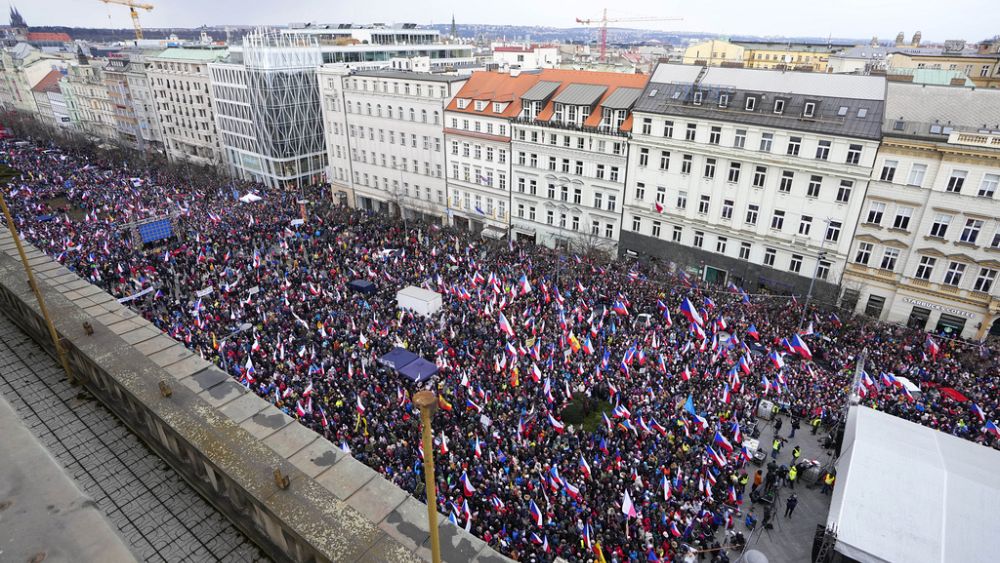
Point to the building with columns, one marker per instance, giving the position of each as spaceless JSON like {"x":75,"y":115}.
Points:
{"x":753,"y":176}
{"x":927,"y":248}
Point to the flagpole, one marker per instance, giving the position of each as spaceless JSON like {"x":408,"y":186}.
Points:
{"x":426,"y":401}
{"x":38,"y":293}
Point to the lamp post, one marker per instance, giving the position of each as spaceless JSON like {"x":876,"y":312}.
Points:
{"x":426,"y":401}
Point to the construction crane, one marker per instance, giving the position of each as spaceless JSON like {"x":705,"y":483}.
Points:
{"x":604,"y":21}
{"x":132,"y":9}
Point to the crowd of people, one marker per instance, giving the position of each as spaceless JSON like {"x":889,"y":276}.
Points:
{"x":662,"y":373}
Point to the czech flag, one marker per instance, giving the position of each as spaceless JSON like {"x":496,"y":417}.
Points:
{"x":689,"y":311}
{"x":536,"y":514}
{"x":587,"y":346}
{"x":799,"y":346}
{"x":524,"y":284}
{"x":467,"y":487}
{"x":619,"y":308}
{"x":360,"y":407}
{"x":726,"y":396}
{"x":978,"y":412}
{"x":991,"y":428}
{"x":752,"y":332}
{"x":933,"y":347}
{"x":722,"y":442}
{"x":584,"y":467}
{"x":775,"y":358}
{"x":505,"y":326}
{"x":714,"y":456}
{"x":628,"y":508}
{"x":558,"y":426}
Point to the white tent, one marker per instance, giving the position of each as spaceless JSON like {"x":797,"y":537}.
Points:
{"x":906,"y":492}
{"x":423,"y":301}
{"x":250,"y":198}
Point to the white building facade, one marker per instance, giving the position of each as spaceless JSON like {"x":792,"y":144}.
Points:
{"x":569,"y":159}
{"x":751,"y":176}
{"x":385,"y":140}
{"x":181,"y":88}
{"x":927,"y":250}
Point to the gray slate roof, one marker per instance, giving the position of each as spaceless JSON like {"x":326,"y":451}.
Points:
{"x":581,"y":94}
{"x":919,"y":106}
{"x":672,"y":87}
{"x":622,"y":98}
{"x":540,"y":91}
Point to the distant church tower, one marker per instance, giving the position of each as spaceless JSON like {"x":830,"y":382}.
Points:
{"x":17,"y":24}
{"x":454,"y":30}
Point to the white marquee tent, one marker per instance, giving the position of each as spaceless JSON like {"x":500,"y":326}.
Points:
{"x":906,"y":492}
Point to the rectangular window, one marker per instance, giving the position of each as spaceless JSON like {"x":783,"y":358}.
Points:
{"x":578,"y":168}
{"x":787,"y":177}
{"x":599,"y":199}
{"x":550,"y":217}
{"x":699,"y":239}
{"x":643,"y":157}
{"x":752,"y":211}
{"x":600,"y":172}
{"x":809,"y":110}
{"x":984,"y":282}
{"x":612,"y":202}
{"x":727,"y":209}
{"x":766,"y":141}
{"x":988,"y":186}
{"x":853,"y":154}
{"x":889,"y":258}
{"x":953,"y":276}
{"x":720,"y":245}
{"x":794,"y":144}
{"x":823,"y":150}
{"x":940,"y":226}
{"x":661,"y":195}
{"x":759,"y":176}
{"x":902,"y":220}
{"x":609,"y":230}
{"x":647,"y":126}
{"x":805,"y":225}
{"x":864,"y":253}
{"x":664,"y":160}
{"x":656,"y":229}
{"x":686,"y":164}
{"x":916,"y":177}
{"x":956,"y":181}
{"x":740,"y":140}
{"x":678,"y":232}
{"x":778,"y":220}
{"x":875,"y":304}
{"x":703,"y":204}
{"x":613,"y":175}
{"x":715,"y":136}
{"x":595,"y":228}
{"x":833,"y":231}
{"x":577,"y":196}
{"x":925,"y":268}
{"x":769,"y":255}
{"x":815,"y":183}
{"x":795,"y":263}
{"x":552,"y":191}
{"x":734,"y":172}
{"x":889,"y":170}
{"x":779,"y":106}
{"x":745,"y":250}
{"x":751,"y":103}
{"x":875,"y":212}
{"x":710,"y":168}
{"x":971,"y":231}
{"x":690,"y":132}
{"x":668,"y":129}
{"x":844,"y":191}
{"x":682,"y":200}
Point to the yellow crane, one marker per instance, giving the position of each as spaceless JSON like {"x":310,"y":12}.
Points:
{"x":132,"y":9}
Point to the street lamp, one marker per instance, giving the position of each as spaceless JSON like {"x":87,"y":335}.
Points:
{"x":812,"y":282}
{"x":426,"y":401}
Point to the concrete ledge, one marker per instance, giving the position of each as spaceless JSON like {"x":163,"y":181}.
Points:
{"x":223,"y":439}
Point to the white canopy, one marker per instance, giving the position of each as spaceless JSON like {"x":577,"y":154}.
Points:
{"x":906,"y":492}
{"x":250,"y":198}
{"x":423,"y":301}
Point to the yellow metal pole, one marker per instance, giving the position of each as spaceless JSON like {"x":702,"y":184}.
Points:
{"x":34,"y":287}
{"x":426,"y":401}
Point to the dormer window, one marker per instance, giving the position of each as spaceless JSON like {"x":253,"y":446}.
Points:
{"x":723,"y":100}
{"x":463,"y":103}
{"x":809,"y":110}
{"x":480,"y":105}
{"x":498,"y":107}
{"x":862,"y":113}
{"x":779,"y":106}
{"x":842,"y":111}
{"x":751,"y":103}
{"x":697,"y":98}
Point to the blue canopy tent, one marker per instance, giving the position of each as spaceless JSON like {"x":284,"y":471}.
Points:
{"x":397,"y":358}
{"x":418,"y":371}
{"x":362,"y":286}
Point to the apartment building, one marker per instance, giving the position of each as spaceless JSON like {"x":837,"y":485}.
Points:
{"x":133,"y":102}
{"x":385,"y":139}
{"x":87,"y":100}
{"x":50,"y":102}
{"x":809,"y":57}
{"x":267,"y":110}
{"x":980,"y":63}
{"x":477,"y":130}
{"x":569,"y":158}
{"x":927,"y":249}
{"x":181,"y":88}
{"x":21,"y":68}
{"x":750,"y":175}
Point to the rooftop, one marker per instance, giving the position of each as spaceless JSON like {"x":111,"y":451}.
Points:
{"x":804,"y":83}
{"x":407,"y":75}
{"x":179,"y":54}
{"x":46,"y":36}
{"x":913,"y":109}
{"x":48,"y":83}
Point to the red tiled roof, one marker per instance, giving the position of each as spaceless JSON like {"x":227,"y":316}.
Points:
{"x":48,"y":83}
{"x":47,"y":36}
{"x":494,"y":87}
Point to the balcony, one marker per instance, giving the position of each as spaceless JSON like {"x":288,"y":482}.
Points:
{"x":985,"y":140}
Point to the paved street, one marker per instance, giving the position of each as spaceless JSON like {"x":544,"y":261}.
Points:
{"x":159,"y":516}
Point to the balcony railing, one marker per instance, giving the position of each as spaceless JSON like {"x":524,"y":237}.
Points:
{"x":568,"y":127}
{"x":974,"y":139}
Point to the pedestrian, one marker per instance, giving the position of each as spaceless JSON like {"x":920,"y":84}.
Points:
{"x":793,"y":474}
{"x":777,"y":426}
{"x":775,"y":447}
{"x":795,"y":426}
{"x":790,"y":505}
{"x":796,"y":452}
{"x":815,"y":425}
{"x":828,"y":481}
{"x":758,"y":478}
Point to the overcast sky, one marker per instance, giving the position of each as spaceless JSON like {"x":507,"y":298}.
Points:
{"x":973,"y":20}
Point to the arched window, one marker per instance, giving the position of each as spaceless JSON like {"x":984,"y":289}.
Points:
{"x":437,"y":118}
{"x":368,"y":107}
{"x":423,"y":115}
{"x":378,"y":110}
{"x":413,"y":115}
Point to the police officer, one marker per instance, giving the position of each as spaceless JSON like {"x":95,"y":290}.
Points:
{"x":796,"y":452}
{"x":793,"y":474}
{"x":775,"y":447}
